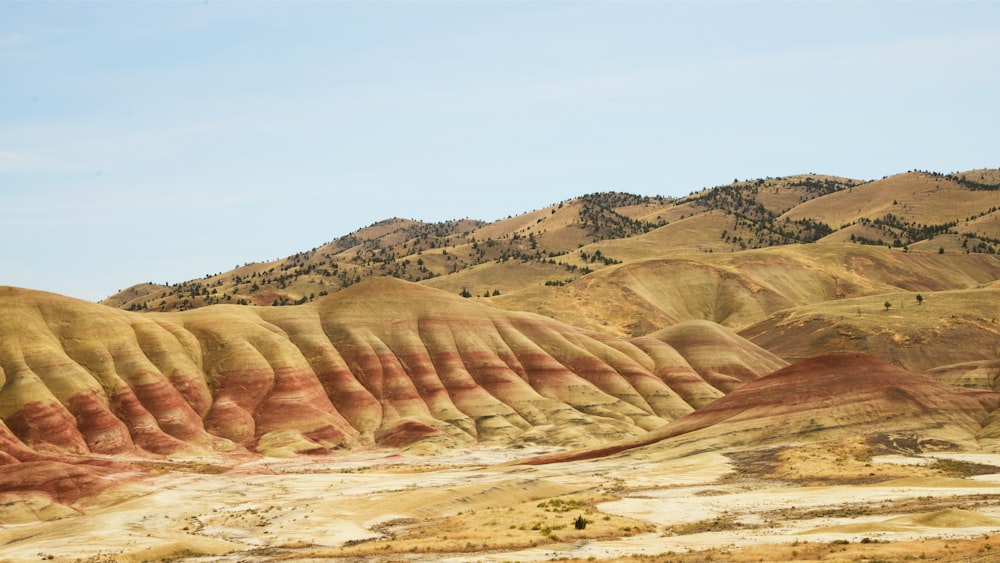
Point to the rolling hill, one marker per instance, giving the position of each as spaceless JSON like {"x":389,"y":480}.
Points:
{"x":941,"y":329}
{"x":738,"y":289}
{"x":915,"y":211}
{"x":607,"y":311}
{"x":765,"y":314}
{"x":826,"y":398}
{"x":386,"y":362}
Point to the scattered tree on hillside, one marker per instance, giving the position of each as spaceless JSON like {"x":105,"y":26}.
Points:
{"x":920,"y":299}
{"x":752,"y":215}
{"x":887,"y":305}
{"x":973,"y":185}
{"x":598,"y":216}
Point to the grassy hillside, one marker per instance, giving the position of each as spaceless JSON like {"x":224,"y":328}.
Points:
{"x":915,"y":211}
{"x":741,"y":288}
{"x":940,"y":329}
{"x":412,"y":251}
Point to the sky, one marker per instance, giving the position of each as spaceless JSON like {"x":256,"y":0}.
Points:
{"x":163,"y":141}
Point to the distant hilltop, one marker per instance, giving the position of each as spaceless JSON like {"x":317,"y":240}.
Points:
{"x":916,"y":211}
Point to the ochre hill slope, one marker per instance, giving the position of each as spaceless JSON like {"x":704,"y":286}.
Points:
{"x":385,"y":362}
{"x":826,"y":398}
{"x":941,"y":329}
{"x":56,"y":480}
{"x":741,"y":288}
{"x":720,"y":355}
{"x":983,"y":374}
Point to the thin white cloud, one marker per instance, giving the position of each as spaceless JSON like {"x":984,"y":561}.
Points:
{"x":16,"y":161}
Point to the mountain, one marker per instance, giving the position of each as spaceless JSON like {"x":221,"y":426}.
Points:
{"x":557,"y":245}
{"x":414,"y":251}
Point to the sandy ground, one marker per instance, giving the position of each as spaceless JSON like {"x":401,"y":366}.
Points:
{"x":467,"y":505}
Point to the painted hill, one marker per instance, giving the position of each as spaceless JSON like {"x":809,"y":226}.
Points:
{"x":826,"y":398}
{"x":385,"y":362}
{"x":984,"y":374}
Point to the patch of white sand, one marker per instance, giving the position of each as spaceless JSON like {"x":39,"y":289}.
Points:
{"x":903,"y":460}
{"x":672,"y":507}
{"x":315,"y":503}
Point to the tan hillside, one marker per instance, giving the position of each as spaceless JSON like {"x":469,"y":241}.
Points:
{"x":699,"y":233}
{"x":945,"y":328}
{"x":692,"y":236}
{"x":571,"y":239}
{"x":722,"y":357}
{"x":413,"y":251}
{"x":741,"y":288}
{"x":912,"y":209}
{"x":913,"y":193}
{"x":982,"y":374}
{"x":825,"y":398}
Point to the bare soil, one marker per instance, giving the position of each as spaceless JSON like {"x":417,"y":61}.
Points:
{"x":846,"y":500}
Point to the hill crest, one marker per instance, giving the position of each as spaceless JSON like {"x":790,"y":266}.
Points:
{"x":567,"y":241}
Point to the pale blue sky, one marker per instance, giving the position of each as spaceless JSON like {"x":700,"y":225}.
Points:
{"x":163,"y":141}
